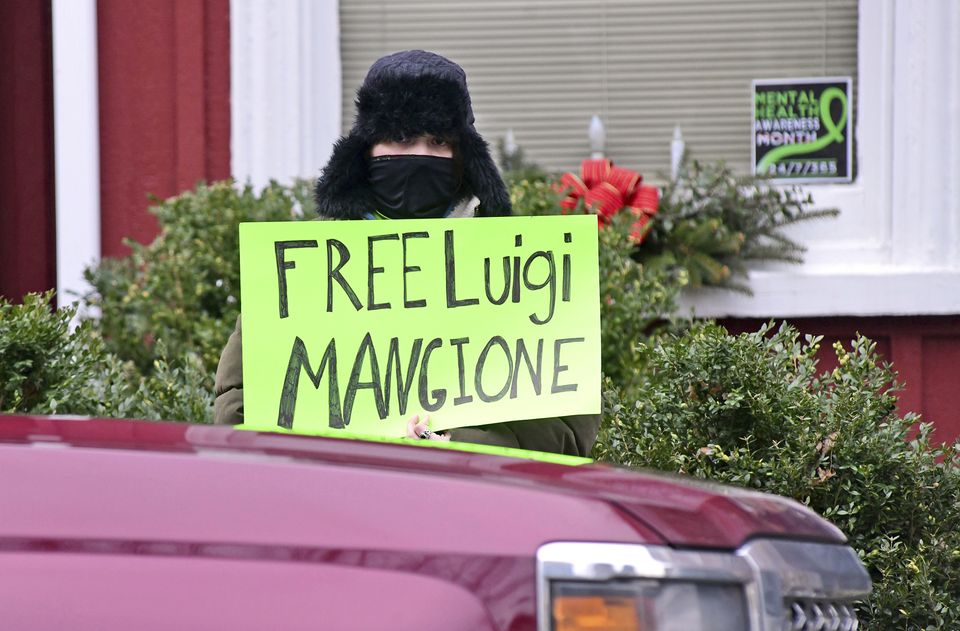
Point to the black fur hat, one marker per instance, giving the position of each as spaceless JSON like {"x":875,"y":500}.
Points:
{"x":404,"y":95}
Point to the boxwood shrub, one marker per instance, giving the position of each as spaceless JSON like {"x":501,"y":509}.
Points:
{"x":49,"y":367}
{"x":753,"y":410}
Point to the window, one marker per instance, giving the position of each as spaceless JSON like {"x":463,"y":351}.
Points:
{"x":544,"y":67}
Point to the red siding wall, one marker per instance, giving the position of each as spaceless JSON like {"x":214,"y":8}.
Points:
{"x":164,"y":69}
{"x":27,"y":217}
{"x":925,"y":351}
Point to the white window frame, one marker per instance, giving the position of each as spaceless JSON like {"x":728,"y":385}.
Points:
{"x":895,"y":249}
{"x":284,"y":88}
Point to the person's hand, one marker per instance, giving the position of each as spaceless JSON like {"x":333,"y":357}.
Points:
{"x":417,"y":428}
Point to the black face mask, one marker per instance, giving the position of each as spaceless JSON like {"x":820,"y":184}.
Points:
{"x":413,"y":187}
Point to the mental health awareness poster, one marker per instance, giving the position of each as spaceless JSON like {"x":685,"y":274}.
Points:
{"x":802,"y":129}
{"x":357,"y":325}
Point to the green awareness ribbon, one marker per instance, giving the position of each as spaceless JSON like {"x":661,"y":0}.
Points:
{"x":834,"y":132}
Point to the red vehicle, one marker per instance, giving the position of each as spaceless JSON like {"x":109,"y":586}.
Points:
{"x":139,"y":525}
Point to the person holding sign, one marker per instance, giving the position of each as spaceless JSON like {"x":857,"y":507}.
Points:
{"x":414,"y":153}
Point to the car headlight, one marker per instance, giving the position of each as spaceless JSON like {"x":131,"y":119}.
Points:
{"x":607,"y":587}
{"x":765,"y":584}
{"x":647,"y":605}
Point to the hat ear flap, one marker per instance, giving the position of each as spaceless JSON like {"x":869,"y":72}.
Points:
{"x":483,"y":177}
{"x":342,"y":189}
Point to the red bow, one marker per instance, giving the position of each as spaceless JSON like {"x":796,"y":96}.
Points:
{"x":606,"y":190}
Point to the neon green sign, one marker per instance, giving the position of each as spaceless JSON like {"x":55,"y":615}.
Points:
{"x":357,"y":325}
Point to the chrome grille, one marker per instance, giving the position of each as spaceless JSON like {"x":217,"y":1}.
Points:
{"x":807,"y":614}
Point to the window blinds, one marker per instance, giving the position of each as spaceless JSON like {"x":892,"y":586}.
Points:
{"x":544,"y":67}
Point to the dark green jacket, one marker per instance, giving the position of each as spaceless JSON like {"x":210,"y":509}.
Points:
{"x":573,"y":435}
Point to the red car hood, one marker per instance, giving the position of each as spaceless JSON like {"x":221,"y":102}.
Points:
{"x":659,"y":508}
